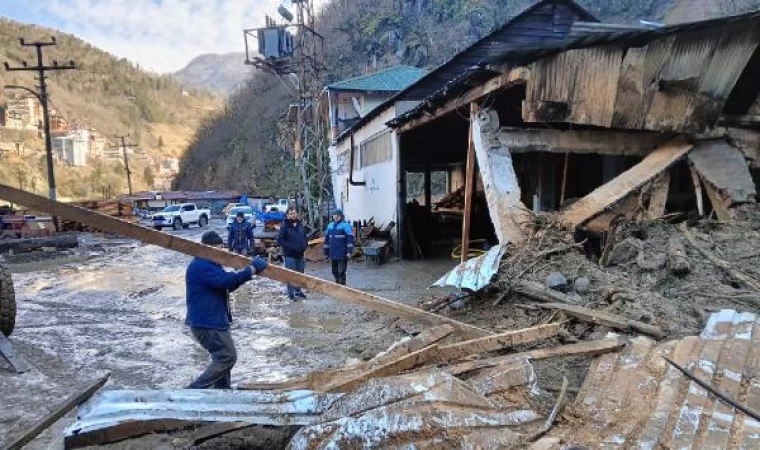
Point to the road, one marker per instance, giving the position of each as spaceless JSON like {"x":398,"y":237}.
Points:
{"x":119,"y":306}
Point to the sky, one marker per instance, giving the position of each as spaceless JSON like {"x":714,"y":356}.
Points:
{"x":160,"y":35}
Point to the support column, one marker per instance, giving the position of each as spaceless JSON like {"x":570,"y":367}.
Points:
{"x":469,"y":183}
{"x":428,"y":189}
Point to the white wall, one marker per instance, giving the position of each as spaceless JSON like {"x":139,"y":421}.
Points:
{"x":378,"y":198}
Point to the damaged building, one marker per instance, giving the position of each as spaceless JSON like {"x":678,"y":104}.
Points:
{"x":587,"y":120}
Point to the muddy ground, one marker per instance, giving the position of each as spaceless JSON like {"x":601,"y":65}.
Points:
{"x":116,"y":305}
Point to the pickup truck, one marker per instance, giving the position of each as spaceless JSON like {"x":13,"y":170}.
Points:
{"x":280,"y":205}
{"x":181,"y":216}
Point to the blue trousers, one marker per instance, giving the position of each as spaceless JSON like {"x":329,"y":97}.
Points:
{"x":298,"y":265}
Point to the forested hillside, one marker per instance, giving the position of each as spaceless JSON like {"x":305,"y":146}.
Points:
{"x":106,"y":94}
{"x":362,"y":36}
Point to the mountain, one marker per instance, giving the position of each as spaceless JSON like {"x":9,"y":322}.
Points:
{"x":363,"y":36}
{"x":107,"y":94}
{"x":221,"y":73}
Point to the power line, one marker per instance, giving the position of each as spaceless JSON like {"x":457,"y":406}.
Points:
{"x":42,"y":96}
{"x":124,"y":146}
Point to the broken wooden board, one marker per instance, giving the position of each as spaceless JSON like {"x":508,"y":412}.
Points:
{"x":508,"y":213}
{"x":748,"y":142}
{"x":176,"y":243}
{"x":499,"y":378}
{"x":24,"y":437}
{"x":8,"y":353}
{"x":725,"y":168}
{"x":607,"y":195}
{"x":496,"y":342}
{"x":400,"y":365}
{"x":659,"y":196}
{"x":425,"y":338}
{"x":606,"y":319}
{"x":634,"y":399}
{"x":588,"y":348}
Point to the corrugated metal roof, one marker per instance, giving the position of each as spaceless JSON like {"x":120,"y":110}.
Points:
{"x":474,"y":274}
{"x":469,"y":61}
{"x":739,"y":24}
{"x":393,"y":79}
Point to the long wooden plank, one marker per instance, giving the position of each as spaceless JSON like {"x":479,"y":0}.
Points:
{"x":659,"y":196}
{"x":629,"y":181}
{"x":601,"y":142}
{"x":495,"y":342}
{"x":407,"y":362}
{"x":606,"y":319}
{"x":176,"y":243}
{"x":589,"y":348}
{"x":469,"y":185}
{"x":59,"y":411}
{"x":504,"y":81}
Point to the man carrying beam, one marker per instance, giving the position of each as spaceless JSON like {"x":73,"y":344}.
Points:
{"x":208,"y":312}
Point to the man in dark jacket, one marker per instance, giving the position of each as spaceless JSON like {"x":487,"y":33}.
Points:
{"x":339,"y":245}
{"x":208,"y":312}
{"x":292,"y":239}
{"x":240,"y":239}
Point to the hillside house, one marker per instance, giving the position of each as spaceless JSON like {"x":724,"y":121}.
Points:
{"x":73,"y":148}
{"x":367,"y":181}
{"x":23,"y":113}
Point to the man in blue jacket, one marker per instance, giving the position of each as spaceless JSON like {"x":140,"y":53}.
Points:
{"x":240,"y":239}
{"x":292,"y":239}
{"x":339,"y":245}
{"x":208,"y":312}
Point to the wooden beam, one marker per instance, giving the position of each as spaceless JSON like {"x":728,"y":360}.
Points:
{"x":496,"y":342}
{"x":516,"y":76}
{"x":609,"y":194}
{"x":602,"y":142}
{"x":606,"y":319}
{"x":588,"y":348}
{"x":720,"y":208}
{"x":56,"y":413}
{"x":426,"y":338}
{"x":564,"y":179}
{"x":176,"y":243}
{"x":406,"y":362}
{"x":469,"y":185}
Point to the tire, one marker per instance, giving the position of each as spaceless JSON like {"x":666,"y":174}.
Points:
{"x":177,"y":224}
{"x":7,"y":301}
{"x":203,"y":221}
{"x":157,"y":228}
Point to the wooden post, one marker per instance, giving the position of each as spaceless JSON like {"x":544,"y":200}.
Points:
{"x":428,"y":185}
{"x":225,"y":258}
{"x":564,"y":180}
{"x":469,"y":185}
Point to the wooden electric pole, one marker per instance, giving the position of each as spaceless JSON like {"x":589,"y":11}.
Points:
{"x":42,"y":96}
{"x":124,"y":146}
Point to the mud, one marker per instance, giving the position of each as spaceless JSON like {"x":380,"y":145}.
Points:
{"x":115,"y":305}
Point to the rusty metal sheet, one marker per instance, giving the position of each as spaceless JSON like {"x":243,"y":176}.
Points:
{"x":474,"y":274}
{"x":114,"y":408}
{"x":724,"y":166}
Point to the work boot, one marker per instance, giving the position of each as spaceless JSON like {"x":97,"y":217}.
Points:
{"x":291,"y":296}
{"x":300,"y":294}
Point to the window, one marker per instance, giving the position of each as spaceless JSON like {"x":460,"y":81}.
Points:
{"x":188,"y":208}
{"x":375,"y":150}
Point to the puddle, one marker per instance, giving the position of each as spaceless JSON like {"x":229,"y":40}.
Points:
{"x":305,"y":322}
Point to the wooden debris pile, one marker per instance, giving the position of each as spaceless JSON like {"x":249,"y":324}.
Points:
{"x":113,"y":208}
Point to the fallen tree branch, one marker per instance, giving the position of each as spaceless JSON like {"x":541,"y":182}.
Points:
{"x":606,"y":319}
{"x":728,"y":268}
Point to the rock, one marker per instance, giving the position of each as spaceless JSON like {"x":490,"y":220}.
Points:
{"x":626,"y":251}
{"x":582,"y":285}
{"x":557,"y":282}
{"x":651,"y":262}
{"x":459,"y":304}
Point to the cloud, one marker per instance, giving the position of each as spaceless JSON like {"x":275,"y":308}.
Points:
{"x":160,"y":35}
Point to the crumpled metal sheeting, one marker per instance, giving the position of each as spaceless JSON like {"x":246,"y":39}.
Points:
{"x":475,"y":273}
{"x":111,"y":408}
{"x":415,"y":411}
{"x":418,"y":387}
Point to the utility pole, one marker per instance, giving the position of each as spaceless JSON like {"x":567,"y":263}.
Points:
{"x":124,"y":146}
{"x":42,"y":96}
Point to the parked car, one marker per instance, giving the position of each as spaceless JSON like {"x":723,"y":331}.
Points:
{"x":226,"y":210}
{"x":181,"y":216}
{"x":246,"y":210}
